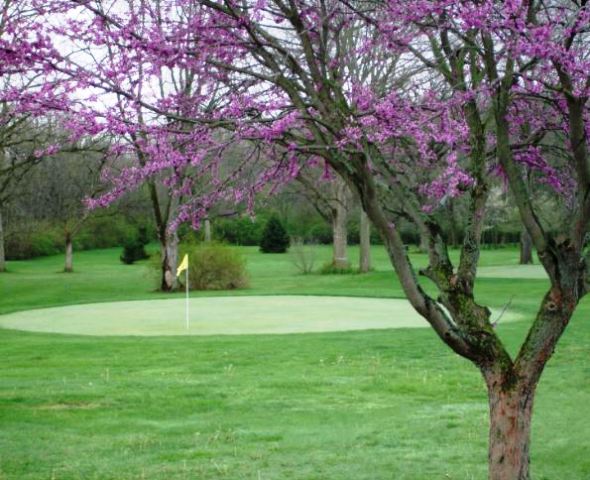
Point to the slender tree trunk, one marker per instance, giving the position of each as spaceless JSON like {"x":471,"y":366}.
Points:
{"x":526,"y":248}
{"x":207,"y":232}
{"x":69,"y":262}
{"x":2,"y":252}
{"x":365,"y":243}
{"x":339,"y":230}
{"x":169,"y":253}
{"x":510,"y":428}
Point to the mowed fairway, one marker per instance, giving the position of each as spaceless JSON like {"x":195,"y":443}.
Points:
{"x":381,"y":404}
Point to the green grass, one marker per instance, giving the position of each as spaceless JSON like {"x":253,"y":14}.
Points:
{"x":388,"y":404}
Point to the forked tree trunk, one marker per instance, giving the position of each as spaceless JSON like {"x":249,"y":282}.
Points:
{"x":207,"y":228}
{"x":365,"y":243}
{"x":510,"y":428}
{"x":69,"y":261}
{"x":526,"y":248}
{"x":2,"y":252}
{"x":339,"y":230}
{"x":169,"y":252}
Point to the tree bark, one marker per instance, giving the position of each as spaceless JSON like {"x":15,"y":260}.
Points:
{"x":207,"y":232}
{"x":2,"y":252}
{"x":69,"y":261}
{"x":510,"y":426}
{"x":365,"y":243}
{"x":526,"y":248}
{"x":339,"y":230}
{"x":169,"y":253}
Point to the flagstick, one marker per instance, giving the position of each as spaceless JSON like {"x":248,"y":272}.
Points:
{"x":186,"y":282}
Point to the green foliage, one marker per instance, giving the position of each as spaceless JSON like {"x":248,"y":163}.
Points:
{"x":320,"y":233}
{"x":134,"y":247}
{"x":274,"y":238}
{"x":109,"y":231}
{"x":38,"y":240}
{"x":215,"y":267}
{"x":238,"y":231}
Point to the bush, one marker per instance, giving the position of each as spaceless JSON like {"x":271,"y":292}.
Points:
{"x":274,"y":237}
{"x":331,"y":269}
{"x":106,"y":231}
{"x":321,"y":233}
{"x":35,"y":240}
{"x":303,"y":256}
{"x":134,"y":247}
{"x":215,"y":267}
{"x":238,"y":231}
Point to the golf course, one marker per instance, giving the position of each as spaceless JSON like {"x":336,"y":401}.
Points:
{"x":295,"y":377}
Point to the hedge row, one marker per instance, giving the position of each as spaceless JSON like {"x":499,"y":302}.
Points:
{"x":43,"y":239}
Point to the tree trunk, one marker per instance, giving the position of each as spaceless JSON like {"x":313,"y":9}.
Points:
{"x":510,"y":427}
{"x":69,"y":263}
{"x":207,"y":232}
{"x":339,"y":230}
{"x":365,"y":243}
{"x":526,"y":248}
{"x":169,"y":252}
{"x":2,"y":252}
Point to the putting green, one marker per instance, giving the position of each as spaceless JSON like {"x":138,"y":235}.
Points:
{"x":222,"y":316}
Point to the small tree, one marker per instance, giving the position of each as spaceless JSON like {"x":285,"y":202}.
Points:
{"x":274,"y":237}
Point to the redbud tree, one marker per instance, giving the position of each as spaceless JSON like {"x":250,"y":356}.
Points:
{"x":463,"y":97}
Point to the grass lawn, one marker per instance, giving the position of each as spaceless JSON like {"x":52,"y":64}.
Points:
{"x":383,"y":404}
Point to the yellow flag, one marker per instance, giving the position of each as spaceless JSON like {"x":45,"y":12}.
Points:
{"x":183,"y":265}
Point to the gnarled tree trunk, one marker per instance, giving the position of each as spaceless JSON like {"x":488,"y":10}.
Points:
{"x":365,"y":243}
{"x":2,"y":252}
{"x":69,"y":260}
{"x":169,"y":255}
{"x":526,"y":248}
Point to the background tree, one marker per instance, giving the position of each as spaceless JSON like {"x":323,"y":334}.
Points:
{"x":332,"y":200}
{"x":274,"y":237}
{"x":57,"y":190}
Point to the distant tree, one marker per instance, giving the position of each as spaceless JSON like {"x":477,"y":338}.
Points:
{"x":56,"y":190}
{"x":332,"y":200}
{"x":274,"y":237}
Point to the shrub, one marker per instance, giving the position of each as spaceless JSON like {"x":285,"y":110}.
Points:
{"x":106,"y":231}
{"x":321,"y":233}
{"x":238,"y":231}
{"x":215,"y":267}
{"x":134,"y":247}
{"x":331,"y":269}
{"x":34,"y":240}
{"x":274,"y":237}
{"x":303,"y":256}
